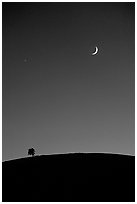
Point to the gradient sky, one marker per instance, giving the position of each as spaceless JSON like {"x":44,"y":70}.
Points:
{"x":57,"y":97}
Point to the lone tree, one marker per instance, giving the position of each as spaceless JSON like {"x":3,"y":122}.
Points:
{"x":31,"y":151}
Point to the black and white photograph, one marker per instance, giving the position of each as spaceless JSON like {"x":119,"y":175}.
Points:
{"x":68,"y":101}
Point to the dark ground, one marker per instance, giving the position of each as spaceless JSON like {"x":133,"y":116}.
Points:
{"x":70,"y":177}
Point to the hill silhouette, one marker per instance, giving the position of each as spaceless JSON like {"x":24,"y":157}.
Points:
{"x":92,"y":177}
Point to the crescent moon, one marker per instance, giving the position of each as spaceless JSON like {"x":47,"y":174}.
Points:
{"x":96,"y":51}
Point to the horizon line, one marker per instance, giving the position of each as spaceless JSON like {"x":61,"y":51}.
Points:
{"x":69,"y":153}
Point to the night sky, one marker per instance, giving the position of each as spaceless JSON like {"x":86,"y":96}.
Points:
{"x":57,"y":97}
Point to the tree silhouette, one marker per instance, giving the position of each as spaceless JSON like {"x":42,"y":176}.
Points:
{"x":31,"y":151}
